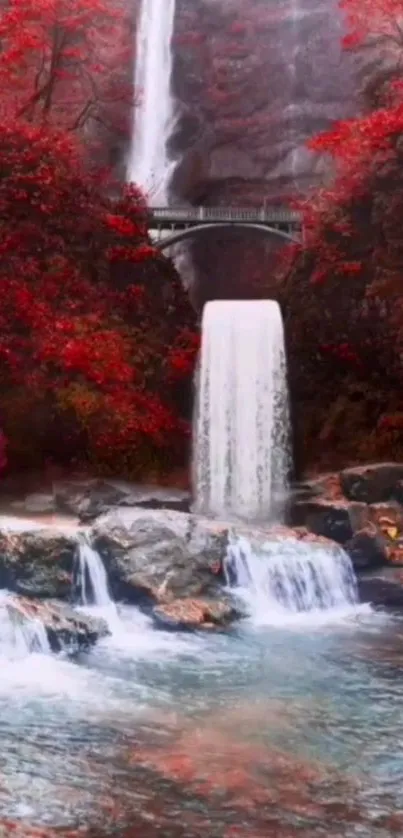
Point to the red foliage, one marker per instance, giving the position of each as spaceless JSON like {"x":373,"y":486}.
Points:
{"x":83,"y":340}
{"x":182,"y":355}
{"x":71,"y":333}
{"x":373,"y":21}
{"x":60,"y":61}
{"x":346,"y":340}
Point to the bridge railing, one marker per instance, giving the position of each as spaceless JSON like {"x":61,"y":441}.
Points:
{"x":273,"y":214}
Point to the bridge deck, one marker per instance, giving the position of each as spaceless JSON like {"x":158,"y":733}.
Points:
{"x":211,"y":215}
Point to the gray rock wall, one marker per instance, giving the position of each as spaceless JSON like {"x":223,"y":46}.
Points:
{"x":253,"y":80}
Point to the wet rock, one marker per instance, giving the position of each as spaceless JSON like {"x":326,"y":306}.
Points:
{"x":85,"y":497}
{"x":37,"y":561}
{"x":327,"y":486}
{"x":373,"y":483}
{"x":166,"y":555}
{"x":388,"y":520}
{"x":337,"y":520}
{"x":66,"y":630}
{"x":380,"y":591}
{"x":194,"y":614}
{"x":154,"y":553}
{"x":90,"y":499}
{"x":37,"y":503}
{"x":303,"y":534}
{"x":394,"y":553}
{"x":367,"y":549}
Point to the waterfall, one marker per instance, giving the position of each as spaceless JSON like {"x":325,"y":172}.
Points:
{"x":30,"y":636}
{"x":92,"y":579}
{"x":92,"y":584}
{"x":19,"y":635}
{"x":149,"y":165}
{"x":289,"y":577}
{"x":241,"y":427}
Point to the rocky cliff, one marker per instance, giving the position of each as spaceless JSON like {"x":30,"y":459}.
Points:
{"x":253,"y":81}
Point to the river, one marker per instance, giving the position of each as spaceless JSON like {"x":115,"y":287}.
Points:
{"x":292,"y":730}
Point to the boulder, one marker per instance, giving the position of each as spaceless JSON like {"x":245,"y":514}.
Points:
{"x":195,"y":614}
{"x":373,"y":483}
{"x":371,"y":532}
{"x":367,"y":549}
{"x":37,"y":503}
{"x":66,"y":630}
{"x":387,"y":518}
{"x":36,"y":561}
{"x":161,"y":555}
{"x":88,"y":499}
{"x":337,"y":520}
{"x":81,"y":497}
{"x":158,"y":553}
{"x":381,"y":591}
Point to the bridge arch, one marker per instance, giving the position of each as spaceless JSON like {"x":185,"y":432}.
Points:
{"x":187,"y":233}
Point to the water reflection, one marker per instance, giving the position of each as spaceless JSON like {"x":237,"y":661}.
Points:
{"x":290,"y":734}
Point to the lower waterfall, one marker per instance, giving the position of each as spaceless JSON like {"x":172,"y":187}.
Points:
{"x":241,"y":428}
{"x":289,"y":577}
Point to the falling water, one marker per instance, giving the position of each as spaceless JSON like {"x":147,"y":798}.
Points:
{"x":149,"y":165}
{"x":92,"y":578}
{"x":241,"y":426}
{"x":19,"y":635}
{"x":92,"y":584}
{"x":284,"y":578}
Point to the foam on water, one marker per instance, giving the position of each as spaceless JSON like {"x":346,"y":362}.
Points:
{"x":282,"y":581}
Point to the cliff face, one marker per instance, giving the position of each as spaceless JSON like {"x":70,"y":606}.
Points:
{"x":254,"y":80}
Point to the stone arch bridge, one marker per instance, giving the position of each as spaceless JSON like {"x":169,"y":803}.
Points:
{"x":171,"y":225}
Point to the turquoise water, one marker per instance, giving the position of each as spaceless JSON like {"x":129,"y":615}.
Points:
{"x":282,"y":731}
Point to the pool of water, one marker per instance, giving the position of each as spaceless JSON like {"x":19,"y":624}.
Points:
{"x":286,"y":731}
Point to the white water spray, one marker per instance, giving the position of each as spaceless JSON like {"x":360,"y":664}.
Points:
{"x":282,"y":579}
{"x":241,"y":428}
{"x":149,"y":165}
{"x":20,"y":635}
{"x":93,"y":585}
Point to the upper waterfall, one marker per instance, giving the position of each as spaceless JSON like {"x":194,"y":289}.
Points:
{"x":241,"y":424}
{"x":149,"y":164}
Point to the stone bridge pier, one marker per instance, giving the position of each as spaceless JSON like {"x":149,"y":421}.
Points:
{"x":180,"y":229}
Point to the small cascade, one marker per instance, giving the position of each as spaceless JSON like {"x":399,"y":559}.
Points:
{"x":289,"y":577}
{"x":19,"y":635}
{"x":149,"y":164}
{"x":92,"y":579}
{"x":92,"y":583}
{"x":241,"y":428}
{"x":30,"y":636}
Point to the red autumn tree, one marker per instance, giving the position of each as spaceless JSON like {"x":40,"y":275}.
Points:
{"x":63,"y":62}
{"x":342,"y":289}
{"x":82,"y":351}
{"x":88,"y":308}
